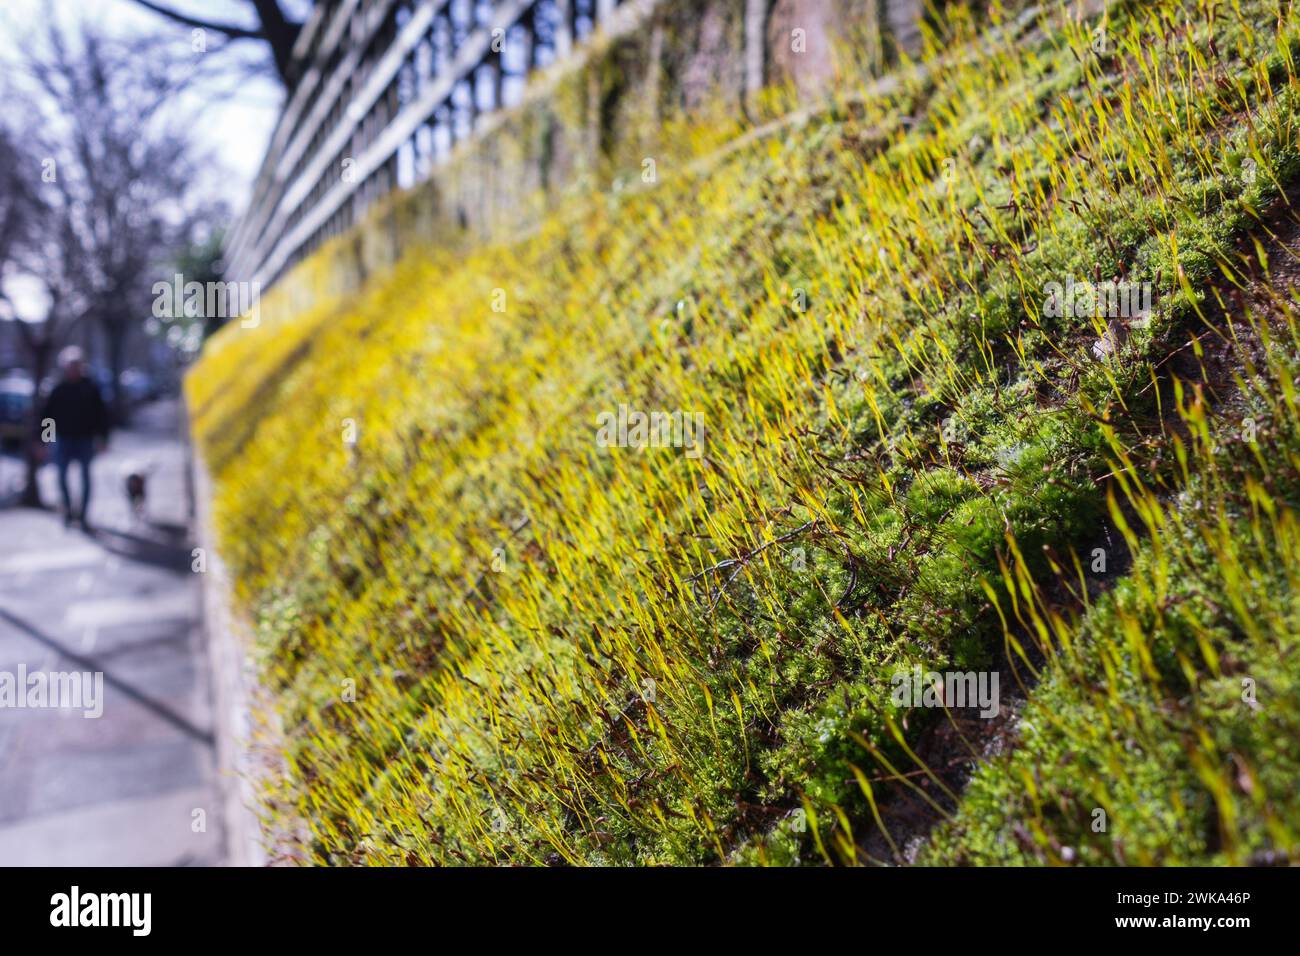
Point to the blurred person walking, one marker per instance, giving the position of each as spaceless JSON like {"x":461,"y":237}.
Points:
{"x":80,"y":419}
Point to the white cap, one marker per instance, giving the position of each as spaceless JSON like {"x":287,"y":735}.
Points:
{"x":72,"y":353}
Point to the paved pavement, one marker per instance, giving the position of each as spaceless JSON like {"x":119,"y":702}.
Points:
{"x":137,"y":786}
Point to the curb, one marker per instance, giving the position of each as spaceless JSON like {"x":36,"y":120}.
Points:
{"x":244,"y":760}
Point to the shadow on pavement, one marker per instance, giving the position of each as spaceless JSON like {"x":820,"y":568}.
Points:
{"x":90,"y":664}
{"x":169,"y":552}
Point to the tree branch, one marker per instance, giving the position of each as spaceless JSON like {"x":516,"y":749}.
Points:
{"x":229,"y":29}
{"x":281,"y":34}
{"x":274,"y":29}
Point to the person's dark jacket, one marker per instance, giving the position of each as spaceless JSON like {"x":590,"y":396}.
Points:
{"x":78,"y":410}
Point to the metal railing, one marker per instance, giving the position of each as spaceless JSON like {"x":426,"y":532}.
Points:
{"x":388,"y":88}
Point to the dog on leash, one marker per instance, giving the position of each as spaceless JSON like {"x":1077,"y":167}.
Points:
{"x":137,"y":490}
{"x":135,"y":482}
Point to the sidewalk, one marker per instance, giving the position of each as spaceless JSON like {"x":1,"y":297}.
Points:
{"x":137,"y":785}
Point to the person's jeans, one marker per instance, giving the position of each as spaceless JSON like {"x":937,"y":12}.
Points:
{"x":66,"y":451}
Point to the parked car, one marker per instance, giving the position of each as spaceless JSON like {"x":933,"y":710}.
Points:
{"x":16,"y":397}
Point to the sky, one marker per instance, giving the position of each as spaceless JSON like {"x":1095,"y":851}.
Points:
{"x":233,"y":120}
{"x":233,"y":115}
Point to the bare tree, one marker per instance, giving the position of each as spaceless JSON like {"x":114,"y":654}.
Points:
{"x":20,"y":206}
{"x":22,"y":212}
{"x":37,"y":246}
{"x":119,"y":166}
{"x":274,"y":28}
